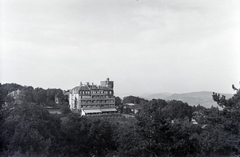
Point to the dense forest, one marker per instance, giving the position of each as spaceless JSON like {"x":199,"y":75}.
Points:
{"x":162,"y":128}
{"x":39,"y":96}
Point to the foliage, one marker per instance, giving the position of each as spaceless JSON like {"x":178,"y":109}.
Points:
{"x":162,"y":128}
{"x":86,"y":137}
{"x":28,"y":94}
{"x":163,"y":137}
{"x":177,"y":109}
{"x":135,"y":100}
{"x":118,"y":101}
{"x":223,"y":134}
{"x":128,"y":140}
{"x":9,"y":99}
{"x":29,"y":129}
{"x":8,"y":88}
{"x":64,"y":107}
{"x":232,"y":103}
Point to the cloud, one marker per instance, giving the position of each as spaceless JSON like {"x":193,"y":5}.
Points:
{"x":158,"y":42}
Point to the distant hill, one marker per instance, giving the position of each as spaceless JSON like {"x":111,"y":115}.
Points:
{"x":158,"y":96}
{"x":204,"y":98}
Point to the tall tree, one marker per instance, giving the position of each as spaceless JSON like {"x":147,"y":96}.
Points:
{"x":135,"y":100}
{"x":232,"y":103}
{"x":118,"y":101}
{"x":30,"y":129}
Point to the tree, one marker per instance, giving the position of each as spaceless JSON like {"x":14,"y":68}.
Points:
{"x":118,"y":101}
{"x":64,"y":107}
{"x":135,"y":100}
{"x":8,"y":88}
{"x":51,"y":94}
{"x":161,"y":137}
{"x":1,"y":97}
{"x":223,"y":133}
{"x":128,"y":140}
{"x":153,"y":128}
{"x":74,"y":139}
{"x":177,"y":110}
{"x":232,"y":103}
{"x":92,"y":136}
{"x":9,"y":99}
{"x":39,"y":95}
{"x":30,"y":129}
{"x":101,"y":136}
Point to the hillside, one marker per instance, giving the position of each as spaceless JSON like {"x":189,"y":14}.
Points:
{"x":204,"y":98}
{"x":157,"y":96}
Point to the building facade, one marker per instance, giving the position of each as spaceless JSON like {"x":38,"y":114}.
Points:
{"x":14,"y":94}
{"x":130,"y":108}
{"x":17,"y":96}
{"x":92,"y":99}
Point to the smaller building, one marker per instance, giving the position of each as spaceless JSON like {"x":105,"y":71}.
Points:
{"x":17,"y":96}
{"x":53,"y":110}
{"x":130,"y":108}
{"x":14,"y":94}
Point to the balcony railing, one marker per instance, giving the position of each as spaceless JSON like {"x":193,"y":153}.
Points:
{"x":97,"y":98}
{"x":98,"y":103}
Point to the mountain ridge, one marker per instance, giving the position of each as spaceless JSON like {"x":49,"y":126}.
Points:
{"x":204,"y":98}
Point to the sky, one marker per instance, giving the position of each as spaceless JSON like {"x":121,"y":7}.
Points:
{"x":144,"y":46}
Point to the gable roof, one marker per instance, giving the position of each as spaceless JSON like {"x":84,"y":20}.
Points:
{"x":85,"y":87}
{"x":76,"y":88}
{"x":106,"y":88}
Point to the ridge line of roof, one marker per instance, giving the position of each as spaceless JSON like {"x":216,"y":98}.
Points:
{"x":88,"y":88}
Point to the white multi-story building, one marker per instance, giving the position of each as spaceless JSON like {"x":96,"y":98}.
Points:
{"x":92,"y":99}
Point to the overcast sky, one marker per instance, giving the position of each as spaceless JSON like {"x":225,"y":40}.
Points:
{"x":144,"y":46}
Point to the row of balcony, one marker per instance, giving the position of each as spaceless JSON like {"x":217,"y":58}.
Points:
{"x":97,"y":103}
{"x":98,"y":98}
{"x":101,"y":93}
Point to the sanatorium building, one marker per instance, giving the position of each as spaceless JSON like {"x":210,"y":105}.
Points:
{"x":91,"y":99}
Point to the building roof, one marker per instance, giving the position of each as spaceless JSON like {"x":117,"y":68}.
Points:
{"x":108,"y":109}
{"x":130,"y":104}
{"x":91,"y":87}
{"x":92,"y":111}
{"x":85,"y":87}
{"x":53,"y":110}
{"x":99,"y":110}
{"x":133,"y":106}
{"x":76,"y":88}
{"x":106,"y":88}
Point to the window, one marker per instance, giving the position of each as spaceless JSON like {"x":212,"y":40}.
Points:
{"x":75,"y":103}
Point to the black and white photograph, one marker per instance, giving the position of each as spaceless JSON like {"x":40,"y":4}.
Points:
{"x":119,"y":78}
